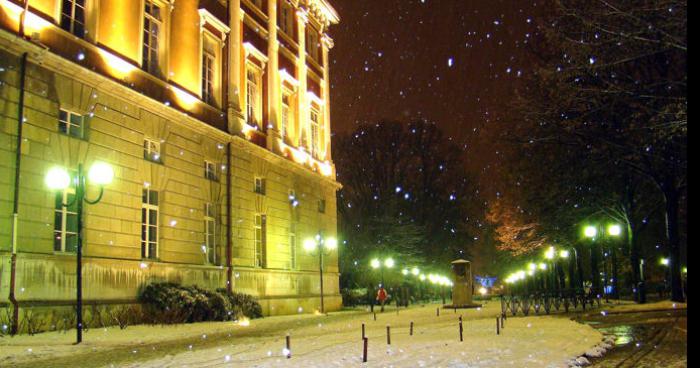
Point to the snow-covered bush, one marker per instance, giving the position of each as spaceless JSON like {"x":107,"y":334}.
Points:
{"x":169,"y":303}
{"x":243,"y":304}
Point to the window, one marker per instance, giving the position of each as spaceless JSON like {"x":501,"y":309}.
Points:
{"x":315,"y":131}
{"x":73,"y":17}
{"x":286,"y":18}
{"x":260,"y":240}
{"x":284,"y":121}
{"x":312,"y":44}
{"x":149,"y":224}
{"x":322,"y":205}
{"x":151,"y":150}
{"x":208,"y":61}
{"x":293,"y":245}
{"x":259,"y":186}
{"x":70,"y":123}
{"x":152,"y":24}
{"x":258,"y":4}
{"x":65,"y":229}
{"x":253,"y":96}
{"x":210,"y":232}
{"x":210,"y":171}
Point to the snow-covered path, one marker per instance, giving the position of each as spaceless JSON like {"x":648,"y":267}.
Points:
{"x":320,"y":341}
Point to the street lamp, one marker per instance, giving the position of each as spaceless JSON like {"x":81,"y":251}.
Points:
{"x":319,"y":243}
{"x":591,"y":232}
{"x":58,"y":179}
{"x":614,"y":231}
{"x":377,"y":264}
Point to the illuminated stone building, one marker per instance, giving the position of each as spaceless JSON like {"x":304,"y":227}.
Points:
{"x":215,"y":117}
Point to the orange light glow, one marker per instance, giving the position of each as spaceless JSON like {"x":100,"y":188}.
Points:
{"x":118,"y":67}
{"x":184,"y":99}
{"x":32,"y":22}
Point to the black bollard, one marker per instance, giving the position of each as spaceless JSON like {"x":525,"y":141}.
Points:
{"x":438,"y":311}
{"x":289,"y":347}
{"x":498,"y":326}
{"x":411,"y":329}
{"x":375,"y":316}
{"x":461,"y":330}
{"x":388,"y":335}
{"x":363,"y":331}
{"x":364,"y":350}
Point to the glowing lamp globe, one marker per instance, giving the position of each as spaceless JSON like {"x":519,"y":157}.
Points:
{"x":375,"y":263}
{"x":404,"y":272}
{"x":415,"y":271}
{"x":309,"y":245}
{"x":57,"y":178}
{"x":549,"y":254}
{"x":389,"y":263}
{"x":614,"y":230}
{"x":665,"y":261}
{"x":331,"y":243}
{"x":564,"y":254}
{"x":532,"y":266}
{"x":101,"y":173}
{"x":543,"y":266}
{"x":590,"y":232}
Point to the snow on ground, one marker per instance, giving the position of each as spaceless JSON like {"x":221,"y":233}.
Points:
{"x":321,"y":341}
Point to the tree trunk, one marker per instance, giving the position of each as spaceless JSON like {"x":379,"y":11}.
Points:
{"x":672,"y":198}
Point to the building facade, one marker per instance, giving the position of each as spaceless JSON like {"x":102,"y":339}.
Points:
{"x":215,"y":117}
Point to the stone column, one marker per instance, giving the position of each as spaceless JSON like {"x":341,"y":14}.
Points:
{"x":327,"y":45}
{"x":273,"y":79}
{"x":236,"y":120}
{"x":303,"y":108}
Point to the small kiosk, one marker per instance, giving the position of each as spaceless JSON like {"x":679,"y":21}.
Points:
{"x":463,"y":289}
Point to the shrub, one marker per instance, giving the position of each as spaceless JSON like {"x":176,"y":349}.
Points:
{"x":170,"y":303}
{"x":243,"y":304}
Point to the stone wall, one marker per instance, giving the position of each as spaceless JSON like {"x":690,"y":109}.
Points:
{"x":117,"y":120}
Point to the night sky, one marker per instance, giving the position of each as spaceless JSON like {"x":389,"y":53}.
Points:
{"x":452,"y":62}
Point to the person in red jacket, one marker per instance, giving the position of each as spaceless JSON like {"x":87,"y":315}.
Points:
{"x":381,"y":296}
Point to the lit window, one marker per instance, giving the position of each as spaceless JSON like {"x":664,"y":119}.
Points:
{"x":284,"y":121}
{"x":152,"y":24}
{"x":322,"y":206}
{"x":65,"y":229}
{"x":73,"y":17}
{"x":259,"y":186}
{"x":260,"y":241}
{"x":210,"y":171}
{"x":70,"y":123}
{"x":149,"y":224}
{"x":286,"y":18}
{"x":315,"y":132}
{"x":210,"y":232}
{"x":253,"y":97}
{"x":151,"y":150}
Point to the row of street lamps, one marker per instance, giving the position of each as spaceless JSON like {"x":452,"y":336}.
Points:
{"x":388,"y":263}
{"x":557,"y":275}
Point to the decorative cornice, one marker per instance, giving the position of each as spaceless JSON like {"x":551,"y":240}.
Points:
{"x":327,"y":41}
{"x":208,"y":18}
